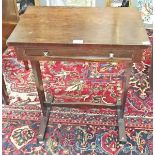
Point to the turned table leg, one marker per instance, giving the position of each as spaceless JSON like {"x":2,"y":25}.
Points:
{"x":121,"y":103}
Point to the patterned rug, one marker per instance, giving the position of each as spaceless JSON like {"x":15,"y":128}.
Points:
{"x":79,"y":131}
{"x":19,"y":137}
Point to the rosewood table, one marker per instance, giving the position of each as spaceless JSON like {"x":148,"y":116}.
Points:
{"x":81,"y":34}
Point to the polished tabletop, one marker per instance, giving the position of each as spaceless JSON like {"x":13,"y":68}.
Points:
{"x":85,"y":25}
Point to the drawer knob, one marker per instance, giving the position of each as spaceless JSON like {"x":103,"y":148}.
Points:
{"x":111,"y":55}
{"x":45,"y":53}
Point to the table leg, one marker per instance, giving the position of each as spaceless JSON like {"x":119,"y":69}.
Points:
{"x":120,"y":109}
{"x":44,"y":105}
{"x":39,"y":84}
{"x":44,"y":121}
{"x":151,"y":73}
{"x":26,"y":65}
{"x":4,"y":92}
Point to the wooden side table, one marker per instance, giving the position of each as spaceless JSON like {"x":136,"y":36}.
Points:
{"x":81,"y":34}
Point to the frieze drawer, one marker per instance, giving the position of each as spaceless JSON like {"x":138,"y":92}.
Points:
{"x":76,"y":53}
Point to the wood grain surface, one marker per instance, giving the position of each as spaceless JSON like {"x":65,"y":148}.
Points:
{"x":64,"y":25}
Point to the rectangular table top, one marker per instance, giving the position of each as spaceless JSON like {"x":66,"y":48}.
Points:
{"x":71,"y":25}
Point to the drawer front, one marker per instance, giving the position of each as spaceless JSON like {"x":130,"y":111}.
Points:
{"x":76,"y":53}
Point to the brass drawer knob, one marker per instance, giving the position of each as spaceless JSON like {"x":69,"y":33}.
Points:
{"x":111,"y":55}
{"x":45,"y":53}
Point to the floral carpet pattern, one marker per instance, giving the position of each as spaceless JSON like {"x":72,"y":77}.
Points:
{"x":79,"y":131}
{"x":72,"y":140}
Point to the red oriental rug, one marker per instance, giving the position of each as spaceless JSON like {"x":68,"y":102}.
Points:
{"x":79,"y":131}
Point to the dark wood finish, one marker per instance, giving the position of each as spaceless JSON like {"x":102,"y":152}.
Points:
{"x":7,"y":28}
{"x":81,"y":34}
{"x":26,"y":65}
{"x":4,"y":92}
{"x":126,"y":80}
{"x":79,"y":52}
{"x":9,"y":20}
{"x":62,"y":25}
{"x":151,"y":73}
{"x":121,"y":126}
{"x":44,"y":121}
{"x":150,"y":33}
{"x":39,"y":84}
{"x":121,"y":103}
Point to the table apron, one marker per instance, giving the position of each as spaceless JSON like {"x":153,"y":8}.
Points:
{"x":80,"y":54}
